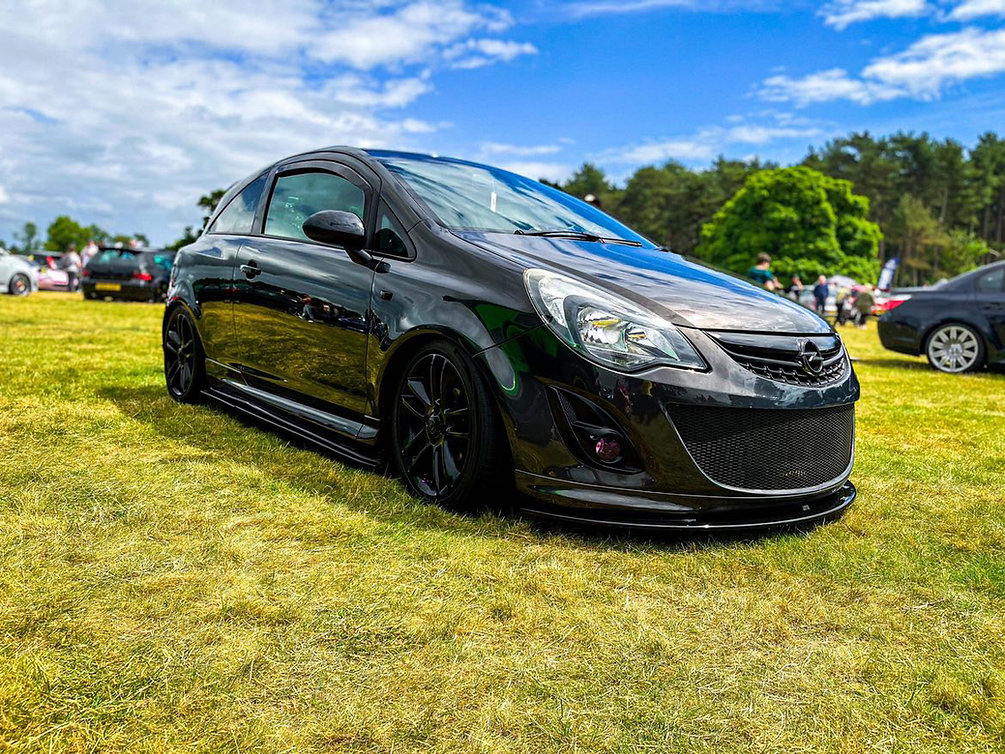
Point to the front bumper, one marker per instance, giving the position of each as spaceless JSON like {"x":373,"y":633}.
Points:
{"x":593,"y":505}
{"x":668,"y":487}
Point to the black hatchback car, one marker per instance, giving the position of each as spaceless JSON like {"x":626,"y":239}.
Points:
{"x":129,"y":274}
{"x":959,"y":324}
{"x":477,"y":329}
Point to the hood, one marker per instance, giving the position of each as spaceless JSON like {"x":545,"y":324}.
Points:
{"x":687,"y":294}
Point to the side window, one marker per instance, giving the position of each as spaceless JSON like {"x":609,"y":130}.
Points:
{"x":239,"y":215}
{"x":297,"y":197}
{"x":992,"y":281}
{"x":390,"y":236}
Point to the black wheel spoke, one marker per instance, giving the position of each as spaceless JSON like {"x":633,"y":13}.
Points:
{"x":450,"y":465}
{"x":433,"y":425}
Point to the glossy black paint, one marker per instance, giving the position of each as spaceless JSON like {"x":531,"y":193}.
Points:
{"x":906,"y":328}
{"x":302,"y":336}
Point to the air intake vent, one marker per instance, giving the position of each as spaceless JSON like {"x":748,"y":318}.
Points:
{"x":768,"y":449}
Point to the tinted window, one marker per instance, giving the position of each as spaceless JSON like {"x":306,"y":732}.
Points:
{"x":992,"y":281}
{"x":114,"y":255}
{"x":297,"y":197}
{"x":159,"y":259}
{"x":390,"y":236}
{"x":239,"y":216}
{"x":465,"y":196}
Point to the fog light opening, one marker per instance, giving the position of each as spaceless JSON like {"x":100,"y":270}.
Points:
{"x":608,"y":449}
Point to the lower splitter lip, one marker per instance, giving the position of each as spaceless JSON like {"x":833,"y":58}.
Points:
{"x":752,"y":515}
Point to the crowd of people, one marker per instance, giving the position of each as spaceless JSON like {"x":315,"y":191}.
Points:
{"x":853,"y":303}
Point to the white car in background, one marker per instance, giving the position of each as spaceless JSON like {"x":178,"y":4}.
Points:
{"x":18,"y":276}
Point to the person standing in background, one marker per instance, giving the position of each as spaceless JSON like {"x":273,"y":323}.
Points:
{"x":761,"y":273}
{"x":795,"y":288}
{"x":71,"y":264}
{"x":864,"y":302}
{"x":88,"y":252}
{"x":820,"y":293}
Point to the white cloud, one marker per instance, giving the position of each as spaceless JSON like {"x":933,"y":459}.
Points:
{"x":520,"y":150}
{"x":124,"y":114}
{"x":4,"y":196}
{"x":586,"y":8}
{"x":409,"y":33}
{"x":922,"y":71}
{"x":705,"y":144}
{"x":971,"y":9}
{"x":475,"y":53}
{"x":841,"y":13}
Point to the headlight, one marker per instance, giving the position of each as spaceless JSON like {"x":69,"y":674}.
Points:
{"x":606,"y":328}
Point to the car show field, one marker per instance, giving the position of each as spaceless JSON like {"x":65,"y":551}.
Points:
{"x":174,"y":577}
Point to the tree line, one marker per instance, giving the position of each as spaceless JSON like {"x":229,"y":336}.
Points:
{"x":938,"y":205}
{"x":64,"y":232}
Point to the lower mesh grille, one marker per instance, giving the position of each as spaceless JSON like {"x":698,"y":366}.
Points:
{"x":767,"y":449}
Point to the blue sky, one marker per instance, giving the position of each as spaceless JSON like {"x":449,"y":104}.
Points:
{"x":123,"y":117}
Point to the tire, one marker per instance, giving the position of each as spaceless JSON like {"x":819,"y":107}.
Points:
{"x":446,"y":440}
{"x":19,"y":285}
{"x":955,"y":348}
{"x":184,"y":359}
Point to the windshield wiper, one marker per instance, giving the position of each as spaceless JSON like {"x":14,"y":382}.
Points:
{"x":579,"y":235}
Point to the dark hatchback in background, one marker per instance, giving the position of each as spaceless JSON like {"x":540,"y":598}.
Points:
{"x":129,"y":274}
{"x":959,"y":325}
{"x":477,"y":329}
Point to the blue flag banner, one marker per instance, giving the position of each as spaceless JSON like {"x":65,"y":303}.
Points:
{"x":886,"y":274}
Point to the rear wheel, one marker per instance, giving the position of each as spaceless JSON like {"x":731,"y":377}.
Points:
{"x":19,"y":285}
{"x":445,"y":440}
{"x":184,"y":361}
{"x":955,"y":348}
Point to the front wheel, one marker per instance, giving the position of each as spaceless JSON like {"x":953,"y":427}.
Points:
{"x":955,"y":348}
{"x":446,"y":440}
{"x":19,"y":285}
{"x":184,"y":361}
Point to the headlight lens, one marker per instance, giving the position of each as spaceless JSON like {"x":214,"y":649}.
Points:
{"x":607,"y":328}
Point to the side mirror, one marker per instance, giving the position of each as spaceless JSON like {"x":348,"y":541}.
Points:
{"x":336,"y":227}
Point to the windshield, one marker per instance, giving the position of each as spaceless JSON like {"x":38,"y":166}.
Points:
{"x":463,"y":196}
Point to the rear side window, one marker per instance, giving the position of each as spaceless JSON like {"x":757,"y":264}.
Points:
{"x":239,"y":216}
{"x":297,"y":197}
{"x":992,"y":281}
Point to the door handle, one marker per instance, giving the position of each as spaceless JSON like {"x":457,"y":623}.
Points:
{"x":251,"y":269}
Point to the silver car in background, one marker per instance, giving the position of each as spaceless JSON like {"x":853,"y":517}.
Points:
{"x":18,"y":276}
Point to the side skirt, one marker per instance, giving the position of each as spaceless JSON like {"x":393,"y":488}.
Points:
{"x":219,"y":392}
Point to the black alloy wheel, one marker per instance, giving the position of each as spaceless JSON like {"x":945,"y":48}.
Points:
{"x":184,"y":363}
{"x":445,"y":434}
{"x":19,"y":285}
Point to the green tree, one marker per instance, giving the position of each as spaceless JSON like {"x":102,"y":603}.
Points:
{"x":28,"y":239}
{"x":809,"y":223}
{"x":64,"y":231}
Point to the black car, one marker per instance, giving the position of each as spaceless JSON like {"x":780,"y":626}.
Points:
{"x":477,"y":329}
{"x":959,"y":324}
{"x":131,"y":274}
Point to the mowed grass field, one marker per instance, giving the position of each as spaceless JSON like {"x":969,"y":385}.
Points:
{"x":172,"y":578}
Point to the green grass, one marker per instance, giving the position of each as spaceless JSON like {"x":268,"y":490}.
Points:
{"x":174,"y":579}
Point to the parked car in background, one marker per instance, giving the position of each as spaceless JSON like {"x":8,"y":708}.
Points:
{"x":50,"y":276}
{"x":959,"y":324}
{"x":130,"y":274}
{"x":18,"y":276}
{"x":479,"y":331}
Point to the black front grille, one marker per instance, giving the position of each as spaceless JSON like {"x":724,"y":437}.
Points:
{"x":781,"y":357}
{"x":767,"y":449}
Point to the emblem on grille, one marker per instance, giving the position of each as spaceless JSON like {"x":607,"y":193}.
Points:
{"x":810,"y":356}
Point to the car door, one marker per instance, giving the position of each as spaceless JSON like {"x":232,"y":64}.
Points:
{"x":300,"y":312}
{"x":990,"y":295}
